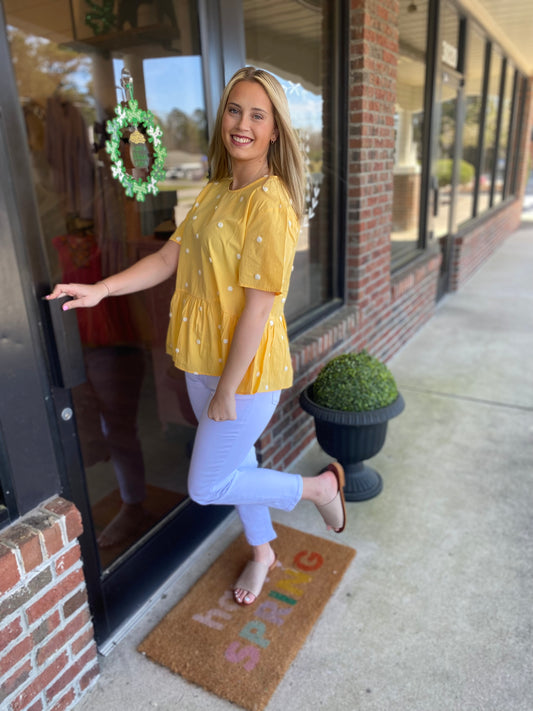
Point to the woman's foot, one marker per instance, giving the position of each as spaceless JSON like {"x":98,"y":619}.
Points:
{"x":250,"y":583}
{"x":126,"y":524}
{"x":326,"y":491}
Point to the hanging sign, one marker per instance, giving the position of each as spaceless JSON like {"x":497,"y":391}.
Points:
{"x":133,"y":119}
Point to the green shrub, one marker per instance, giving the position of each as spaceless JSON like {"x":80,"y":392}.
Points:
{"x":444,"y":172}
{"x":354,"y":382}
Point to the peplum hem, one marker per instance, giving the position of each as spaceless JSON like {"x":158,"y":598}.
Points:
{"x":199,"y":339}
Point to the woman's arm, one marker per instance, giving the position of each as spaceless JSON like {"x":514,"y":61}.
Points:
{"x":147,"y":272}
{"x":246,"y":340}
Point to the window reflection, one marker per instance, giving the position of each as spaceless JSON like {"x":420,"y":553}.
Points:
{"x":409,"y":118}
{"x":289,"y":39}
{"x":134,"y":421}
{"x":488,"y":159}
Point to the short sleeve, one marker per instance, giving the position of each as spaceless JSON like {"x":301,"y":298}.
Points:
{"x":269,"y":242}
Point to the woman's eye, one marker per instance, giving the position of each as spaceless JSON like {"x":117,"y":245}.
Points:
{"x":233,"y":110}
{"x":258,"y":117}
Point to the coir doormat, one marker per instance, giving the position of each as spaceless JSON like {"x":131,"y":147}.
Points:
{"x":242,"y":653}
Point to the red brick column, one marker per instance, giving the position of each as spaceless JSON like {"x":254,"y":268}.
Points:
{"x":373,"y":67}
{"x":47,"y":652}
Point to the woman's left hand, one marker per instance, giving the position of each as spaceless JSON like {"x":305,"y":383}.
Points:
{"x":222,"y":407}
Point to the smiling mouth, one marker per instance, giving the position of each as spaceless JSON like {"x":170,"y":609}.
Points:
{"x":242,"y":140}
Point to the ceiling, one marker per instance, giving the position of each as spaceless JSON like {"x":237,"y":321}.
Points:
{"x":510,"y":24}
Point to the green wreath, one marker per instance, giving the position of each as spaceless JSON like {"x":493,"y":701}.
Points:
{"x":132,"y":116}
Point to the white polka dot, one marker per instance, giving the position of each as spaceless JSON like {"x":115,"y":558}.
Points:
{"x":178,"y":239}
{"x":221,"y":224}
{"x":283,"y":338}
{"x":242,"y":198}
{"x":177,"y":350}
{"x":292,"y":269}
{"x":238,"y":256}
{"x":216,"y":182}
{"x":210,"y":260}
{"x":258,"y":276}
{"x":199,"y":308}
{"x":199,"y":272}
{"x":290,"y":202}
{"x":219,"y":326}
{"x":185,"y":318}
{"x":283,"y":300}
{"x":266,"y":387}
{"x":290,"y":223}
{"x":265,"y":188}
{"x":218,"y":197}
{"x":196,"y":204}
{"x":272,"y":323}
{"x":286,"y":367}
{"x":259,"y":240}
{"x":186,"y":250}
{"x":170,"y":315}
{"x":198,"y":341}
{"x":230,"y":288}
{"x":195,"y":217}
{"x":225,"y":340}
{"x":216,"y":207}
{"x":186,"y":284}
{"x":257,"y":374}
{"x":197,"y":236}
{"x":195,"y":372}
{"x":220,"y":360}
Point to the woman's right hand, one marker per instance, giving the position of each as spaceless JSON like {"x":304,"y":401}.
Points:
{"x":83,"y":295}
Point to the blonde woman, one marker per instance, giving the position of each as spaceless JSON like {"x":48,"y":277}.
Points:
{"x":233,"y":255}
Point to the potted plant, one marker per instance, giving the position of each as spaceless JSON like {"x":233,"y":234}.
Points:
{"x":352,"y":399}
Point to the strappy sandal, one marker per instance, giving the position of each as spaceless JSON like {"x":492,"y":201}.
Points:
{"x":334,"y":513}
{"x":252,"y":579}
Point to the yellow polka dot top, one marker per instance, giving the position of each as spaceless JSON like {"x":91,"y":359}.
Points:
{"x":229,"y":241}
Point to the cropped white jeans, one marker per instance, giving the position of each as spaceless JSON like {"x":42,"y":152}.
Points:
{"x":224,"y":468}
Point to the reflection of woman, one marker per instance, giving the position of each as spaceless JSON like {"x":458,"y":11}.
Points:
{"x":227,"y":329}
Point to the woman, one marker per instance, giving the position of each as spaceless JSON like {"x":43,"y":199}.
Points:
{"x":233,"y":255}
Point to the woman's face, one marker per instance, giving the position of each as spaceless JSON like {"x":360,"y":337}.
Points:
{"x":248,"y":124}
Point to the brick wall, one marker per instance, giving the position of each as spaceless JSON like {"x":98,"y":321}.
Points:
{"x":47,"y":652}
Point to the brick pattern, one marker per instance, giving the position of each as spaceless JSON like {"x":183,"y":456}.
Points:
{"x":48,"y":656}
{"x":382,"y":311}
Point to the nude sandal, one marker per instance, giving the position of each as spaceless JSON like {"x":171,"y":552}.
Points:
{"x":252,"y":579}
{"x":334,"y":513}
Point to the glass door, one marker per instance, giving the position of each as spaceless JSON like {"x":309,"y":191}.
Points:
{"x":131,"y":425}
{"x":446,"y":170}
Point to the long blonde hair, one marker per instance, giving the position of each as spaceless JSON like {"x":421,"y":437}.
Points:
{"x":284,"y":156}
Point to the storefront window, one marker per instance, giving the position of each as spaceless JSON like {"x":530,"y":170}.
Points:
{"x":409,"y":121}
{"x":488,"y":159}
{"x":501,"y":161}
{"x":134,"y":420}
{"x":473,"y":91}
{"x":290,"y":39}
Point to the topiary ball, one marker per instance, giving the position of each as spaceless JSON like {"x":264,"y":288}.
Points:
{"x":355,"y":382}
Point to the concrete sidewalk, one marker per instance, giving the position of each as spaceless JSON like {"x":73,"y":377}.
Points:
{"x":436,"y":611}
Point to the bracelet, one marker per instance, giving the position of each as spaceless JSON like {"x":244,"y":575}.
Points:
{"x":103,"y":282}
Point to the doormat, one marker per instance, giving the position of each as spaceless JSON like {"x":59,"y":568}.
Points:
{"x":242,"y":653}
{"x":157,"y":504}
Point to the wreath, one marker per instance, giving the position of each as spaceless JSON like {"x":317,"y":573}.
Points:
{"x":131,"y":116}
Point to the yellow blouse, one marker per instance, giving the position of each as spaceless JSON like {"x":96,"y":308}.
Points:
{"x":232,"y":239}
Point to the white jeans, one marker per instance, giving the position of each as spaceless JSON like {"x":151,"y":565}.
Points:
{"x":224,"y":467}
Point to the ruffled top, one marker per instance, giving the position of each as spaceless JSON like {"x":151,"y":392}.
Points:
{"x":229,"y":241}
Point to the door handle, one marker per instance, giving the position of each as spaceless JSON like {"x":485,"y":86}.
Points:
{"x":66,"y":353}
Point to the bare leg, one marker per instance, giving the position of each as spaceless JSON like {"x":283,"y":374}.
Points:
{"x":320,"y":490}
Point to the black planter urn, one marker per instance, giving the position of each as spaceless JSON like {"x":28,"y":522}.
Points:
{"x":351,"y":438}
